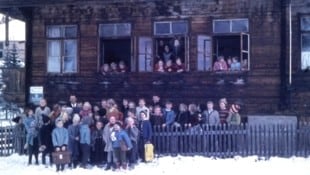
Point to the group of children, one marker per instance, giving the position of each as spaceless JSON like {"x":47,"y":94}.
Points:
{"x":113,"y":68}
{"x":110,"y":135}
{"x":232,"y":64}
{"x":169,"y":66}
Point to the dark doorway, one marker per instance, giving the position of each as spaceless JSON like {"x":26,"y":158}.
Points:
{"x":115,"y":50}
{"x":227,"y":46}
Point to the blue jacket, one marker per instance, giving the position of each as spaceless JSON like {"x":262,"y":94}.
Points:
{"x":146,"y":130}
{"x":84,"y":134}
{"x":118,"y":136}
{"x":169,"y":117}
{"x":60,"y":137}
{"x":32,"y":129}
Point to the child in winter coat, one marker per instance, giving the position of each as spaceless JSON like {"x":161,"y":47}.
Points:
{"x":99,"y":156}
{"x":108,"y":142}
{"x":60,"y":138}
{"x":169,"y":114}
{"x":74,"y":137}
{"x":133,"y":133}
{"x":19,"y":135}
{"x":85,"y":140}
{"x":46,"y":139}
{"x":146,"y":134}
{"x":32,"y":137}
{"x":121,"y":144}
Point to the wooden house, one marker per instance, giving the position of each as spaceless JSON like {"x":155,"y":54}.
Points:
{"x":69,"y":41}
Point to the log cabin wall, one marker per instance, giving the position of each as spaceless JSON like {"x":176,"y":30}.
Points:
{"x":260,"y":93}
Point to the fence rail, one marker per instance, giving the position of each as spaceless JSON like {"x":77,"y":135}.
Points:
{"x":284,"y":140}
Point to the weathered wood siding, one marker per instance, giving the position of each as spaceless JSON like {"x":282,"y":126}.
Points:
{"x":260,"y":93}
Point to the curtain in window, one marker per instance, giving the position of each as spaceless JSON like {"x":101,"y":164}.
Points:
{"x":53,"y":56}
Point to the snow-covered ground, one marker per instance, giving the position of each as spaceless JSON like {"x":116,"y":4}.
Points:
{"x":17,"y":165}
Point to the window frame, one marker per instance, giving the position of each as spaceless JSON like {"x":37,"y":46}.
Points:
{"x":230,"y":25}
{"x":303,"y":33}
{"x":62,"y":39}
{"x":155,"y":34}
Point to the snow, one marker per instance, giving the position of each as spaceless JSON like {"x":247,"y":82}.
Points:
{"x":16,"y":30}
{"x":17,"y":165}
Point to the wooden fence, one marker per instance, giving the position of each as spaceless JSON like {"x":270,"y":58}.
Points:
{"x":284,"y":140}
{"x":6,"y":141}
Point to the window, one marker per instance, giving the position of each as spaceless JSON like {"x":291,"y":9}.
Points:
{"x":61,"y":48}
{"x":170,"y":28}
{"x":305,"y":42}
{"x":115,"y":47}
{"x":230,"y":25}
{"x":204,"y":46}
{"x":145,"y":54}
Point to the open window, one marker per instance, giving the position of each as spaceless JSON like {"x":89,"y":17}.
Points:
{"x":171,"y":45}
{"x":145,"y":55}
{"x":204,"y":53}
{"x":245,"y":51}
{"x":115,"y":47}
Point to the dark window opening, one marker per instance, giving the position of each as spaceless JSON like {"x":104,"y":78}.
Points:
{"x":115,"y":54}
{"x":170,"y":54}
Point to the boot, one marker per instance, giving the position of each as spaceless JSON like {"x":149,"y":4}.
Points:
{"x":124,"y":166}
{"x":108,"y":167}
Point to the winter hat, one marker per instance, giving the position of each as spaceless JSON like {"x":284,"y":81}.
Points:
{"x":235,"y":108}
{"x":16,"y":119}
{"x":45,"y":118}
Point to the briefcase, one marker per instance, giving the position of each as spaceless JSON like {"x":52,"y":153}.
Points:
{"x":149,"y":152}
{"x":61,"y":157}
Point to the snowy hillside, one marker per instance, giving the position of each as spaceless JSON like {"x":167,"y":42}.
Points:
{"x":17,"y":165}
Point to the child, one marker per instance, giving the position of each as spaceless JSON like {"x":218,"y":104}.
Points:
{"x":114,"y":68}
{"x":223,"y":111}
{"x":19,"y":135}
{"x":169,"y":114}
{"x":32,"y":138}
{"x":133,"y":133}
{"x":179,"y":66}
{"x":182,"y":117}
{"x":121,"y":144}
{"x":122,"y":67}
{"x":157,"y":118}
{"x":220,"y":64}
{"x":99,"y":155}
{"x":60,"y":138}
{"x":142,"y":107}
{"x":108,"y":142}
{"x":85,"y":140}
{"x":146,"y":134}
{"x":211,"y":116}
{"x":235,"y":65}
{"x":169,"y":67}
{"x":105,"y":69}
{"x":46,"y":139}
{"x":74,"y":137}
{"x":159,"y":67}
{"x":234,"y":117}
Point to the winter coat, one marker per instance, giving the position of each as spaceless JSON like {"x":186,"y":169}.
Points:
{"x":233,"y":119}
{"x":106,"y":137}
{"x":133,"y":133}
{"x":38,"y":114}
{"x":32,"y":129}
{"x":60,"y":137}
{"x":19,"y":138}
{"x":157,"y":120}
{"x":120,"y":136}
{"x":74,"y":131}
{"x":96,"y":135}
{"x":84,"y":134}
{"x":46,"y":137}
{"x":146,"y":130}
{"x":211,"y":117}
{"x":169,"y":116}
{"x":223,"y":115}
{"x":183,"y":118}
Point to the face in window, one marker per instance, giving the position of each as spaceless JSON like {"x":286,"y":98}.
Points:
{"x":167,"y":48}
{"x":105,"y":68}
{"x":179,"y":61}
{"x":169,"y":63}
{"x":113,"y":67}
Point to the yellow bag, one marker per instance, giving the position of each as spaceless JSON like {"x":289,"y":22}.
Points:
{"x":149,"y":152}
